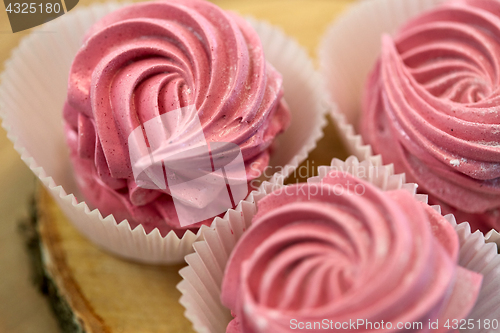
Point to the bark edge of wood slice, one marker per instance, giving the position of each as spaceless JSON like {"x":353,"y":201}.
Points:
{"x":91,"y":290}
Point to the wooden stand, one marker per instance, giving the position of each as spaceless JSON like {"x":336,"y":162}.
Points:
{"x":93,"y":291}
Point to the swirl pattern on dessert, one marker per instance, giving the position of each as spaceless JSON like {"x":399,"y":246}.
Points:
{"x":147,"y":59}
{"x":344,"y":250}
{"x":432,"y":104}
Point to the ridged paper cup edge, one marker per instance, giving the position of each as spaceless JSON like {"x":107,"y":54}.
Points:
{"x":347,"y":52}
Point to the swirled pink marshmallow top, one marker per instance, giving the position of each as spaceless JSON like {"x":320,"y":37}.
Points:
{"x":432,"y":107}
{"x":147,"y":59}
{"x":343,"y":250}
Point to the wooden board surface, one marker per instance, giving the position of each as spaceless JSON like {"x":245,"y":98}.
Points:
{"x":105,"y":293}
{"x":115,"y":295}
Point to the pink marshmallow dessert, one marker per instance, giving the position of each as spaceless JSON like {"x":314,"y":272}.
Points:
{"x":146,"y":60}
{"x":311,"y":254}
{"x":431,"y":107}
{"x":352,"y":249}
{"x":201,"y":72}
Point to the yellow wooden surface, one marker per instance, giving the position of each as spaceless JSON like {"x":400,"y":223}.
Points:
{"x":108,"y":294}
{"x":21,"y":308}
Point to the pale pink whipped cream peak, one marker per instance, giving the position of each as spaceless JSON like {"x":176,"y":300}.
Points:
{"x":432,"y":107}
{"x":314,"y":252}
{"x":147,"y":59}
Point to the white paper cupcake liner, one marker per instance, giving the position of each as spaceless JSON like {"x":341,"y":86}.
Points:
{"x":202,"y":278}
{"x":347,"y":53}
{"x":349,"y":48}
{"x":33,"y":90}
{"x":493,"y":236}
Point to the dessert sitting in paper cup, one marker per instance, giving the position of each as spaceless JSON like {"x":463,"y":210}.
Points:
{"x":378,"y":256}
{"x":340,"y":250}
{"x":430,"y":104}
{"x":168,"y":102}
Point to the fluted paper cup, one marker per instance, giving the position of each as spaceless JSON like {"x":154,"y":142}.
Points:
{"x":493,"y":236}
{"x":347,"y":53}
{"x":33,"y":90}
{"x":202,"y":278}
